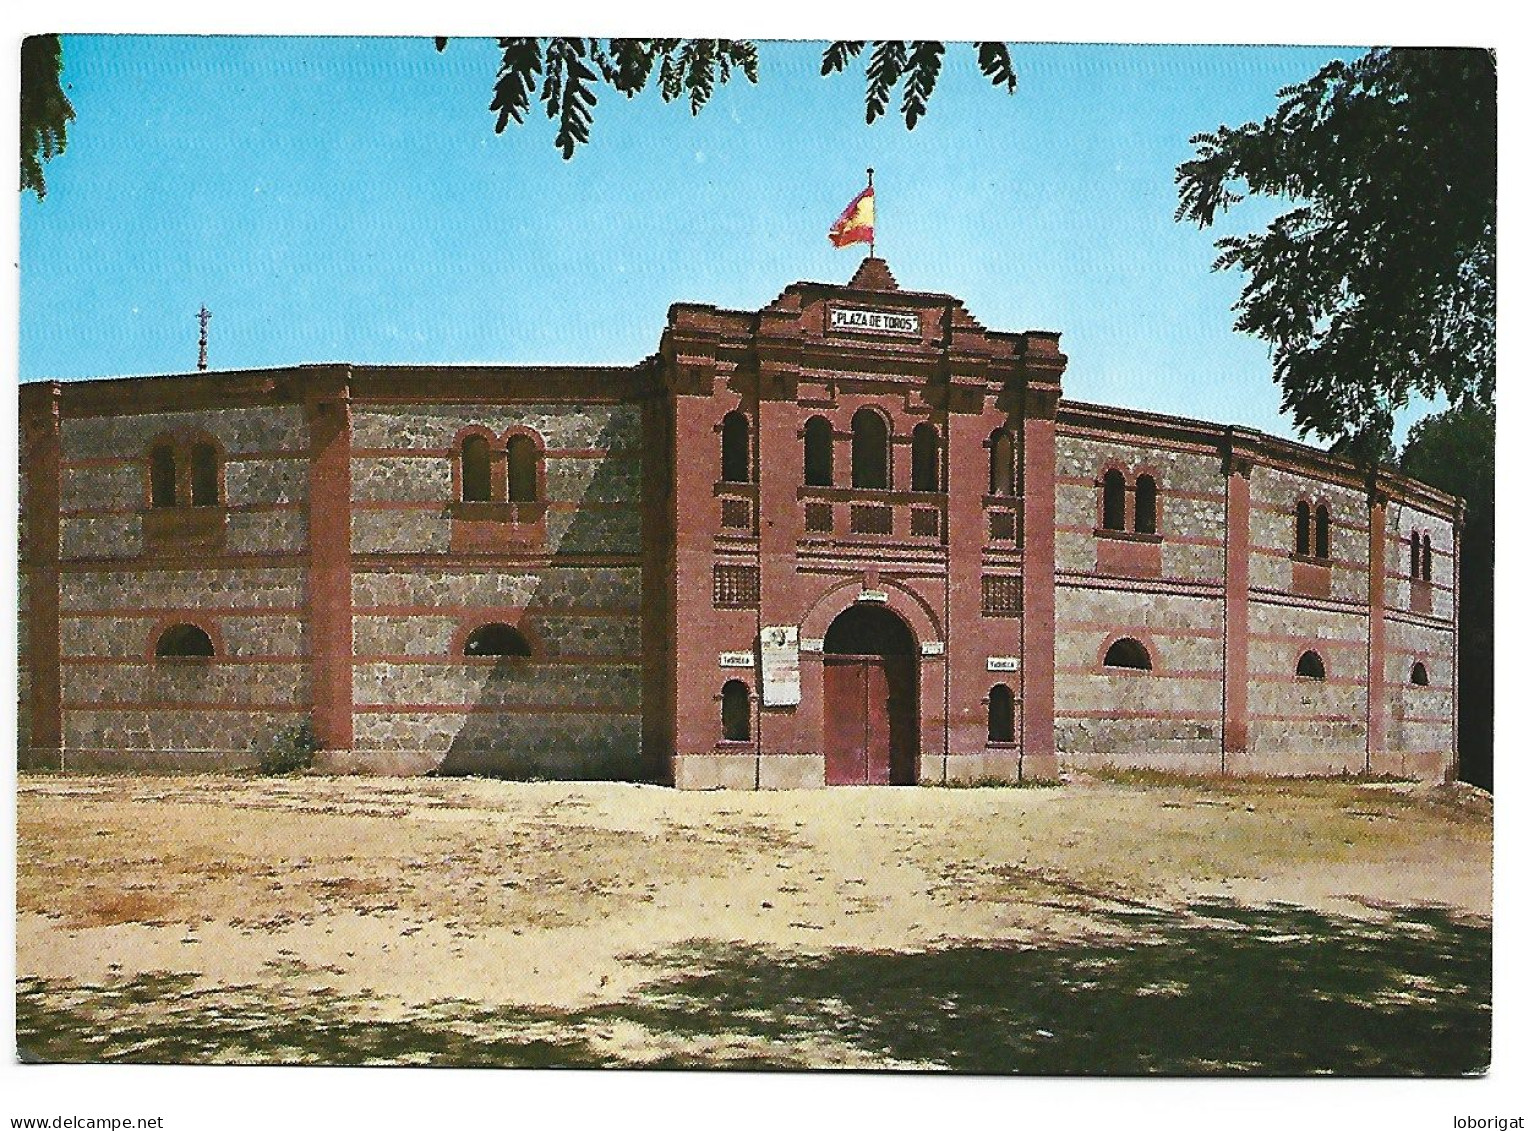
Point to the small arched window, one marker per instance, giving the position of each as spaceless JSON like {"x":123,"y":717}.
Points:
{"x":521,"y":470}
{"x":476,"y":469}
{"x":1000,"y":722}
{"x":1427,"y":558}
{"x":162,"y":476}
{"x":204,"y":475}
{"x":817,"y":452}
{"x":1003,"y":463}
{"x":735,"y":449}
{"x":496,"y":639}
{"x":1113,"y":499}
{"x":1302,"y":528}
{"x":1310,"y":666}
{"x":1127,"y":653}
{"x":1145,"y":505}
{"x":1323,"y":532}
{"x":924,"y":475}
{"x":1416,"y":554}
{"x":735,"y":712}
{"x":184,"y":640}
{"x":870,"y":450}
{"x":1419,"y":674}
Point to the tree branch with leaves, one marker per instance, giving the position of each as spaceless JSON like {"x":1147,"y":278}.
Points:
{"x":45,"y":110}
{"x":1380,"y":282}
{"x":565,"y":75}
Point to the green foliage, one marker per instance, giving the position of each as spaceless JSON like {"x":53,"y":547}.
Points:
{"x":919,"y":62}
{"x":571,"y":70}
{"x":45,"y":111}
{"x":997,"y":783}
{"x":1380,"y":282}
{"x":291,"y":750}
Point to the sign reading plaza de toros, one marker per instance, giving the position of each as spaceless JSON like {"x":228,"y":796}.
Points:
{"x":875,"y":321}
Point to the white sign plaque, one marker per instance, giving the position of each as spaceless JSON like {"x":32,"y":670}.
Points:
{"x":780,"y":666}
{"x":875,"y":321}
{"x":931,"y":647}
{"x":873,"y":595}
{"x":737,"y":660}
{"x":1001,"y":663}
{"x":812,"y":644}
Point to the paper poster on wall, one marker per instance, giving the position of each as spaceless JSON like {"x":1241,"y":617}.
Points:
{"x":780,"y":666}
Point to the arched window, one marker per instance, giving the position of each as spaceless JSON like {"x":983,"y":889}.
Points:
{"x":183,"y":640}
{"x":870,"y":450}
{"x":521,"y":470}
{"x":817,"y":452}
{"x":1419,"y":674}
{"x":1145,"y":505}
{"x":1427,"y":557}
{"x":1310,"y":667}
{"x":735,"y":449}
{"x":1127,"y":653}
{"x":1323,"y":532}
{"x":476,"y":470}
{"x":924,"y":475}
{"x":1416,"y":554}
{"x":1000,"y":725}
{"x":1302,"y":528}
{"x":1003,"y":463}
{"x":496,"y":639}
{"x":735,"y":712}
{"x":1113,"y":499}
{"x":162,"y":476}
{"x":204,"y":475}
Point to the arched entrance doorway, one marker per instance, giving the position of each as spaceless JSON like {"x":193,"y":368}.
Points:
{"x":870,"y":699}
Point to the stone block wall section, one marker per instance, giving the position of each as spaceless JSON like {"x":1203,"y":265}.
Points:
{"x":326,"y":576}
{"x":566,"y":575}
{"x":1227,"y":599}
{"x":106,"y":574}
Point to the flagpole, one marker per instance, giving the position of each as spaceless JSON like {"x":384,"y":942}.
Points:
{"x":873,"y":234}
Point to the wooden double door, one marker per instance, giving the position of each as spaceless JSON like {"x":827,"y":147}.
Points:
{"x":871,"y":719}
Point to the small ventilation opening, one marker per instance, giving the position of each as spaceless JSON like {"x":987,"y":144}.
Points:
{"x":184,"y":640}
{"x":1419,"y":674}
{"x":1127,"y":653}
{"x":496,"y":640}
{"x":1310,"y":667}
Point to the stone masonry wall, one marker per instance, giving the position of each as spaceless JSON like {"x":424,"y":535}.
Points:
{"x":1275,"y":493}
{"x":1301,"y":725}
{"x":1191,"y":493}
{"x":571,"y":710}
{"x":1168,"y":717}
{"x":122,"y":706}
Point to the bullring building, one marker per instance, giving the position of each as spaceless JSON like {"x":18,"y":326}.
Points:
{"x":851,"y":537}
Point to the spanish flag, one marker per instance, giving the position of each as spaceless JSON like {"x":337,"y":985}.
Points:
{"x":856,"y":223}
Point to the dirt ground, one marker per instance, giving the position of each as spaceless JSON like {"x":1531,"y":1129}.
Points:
{"x":561,"y":904}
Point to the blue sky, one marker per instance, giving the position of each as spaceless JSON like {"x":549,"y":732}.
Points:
{"x":348,"y":199}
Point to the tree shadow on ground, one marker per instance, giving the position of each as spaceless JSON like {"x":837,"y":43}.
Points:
{"x":1214,"y":989}
{"x":1222,"y":989}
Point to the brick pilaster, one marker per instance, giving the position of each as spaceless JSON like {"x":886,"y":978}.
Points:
{"x":1237,"y":641}
{"x":330,"y":558}
{"x":1375,"y":748}
{"x":1038,"y":515}
{"x":40,"y":464}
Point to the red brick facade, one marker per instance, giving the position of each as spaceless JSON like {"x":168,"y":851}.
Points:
{"x":853,"y":536}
